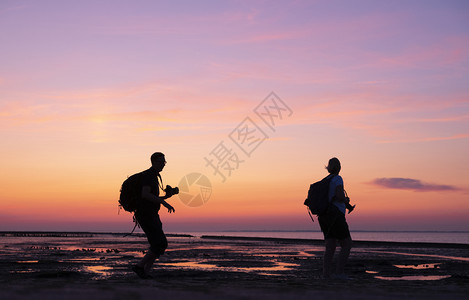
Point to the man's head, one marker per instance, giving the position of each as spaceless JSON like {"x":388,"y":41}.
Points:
{"x":334,"y":166}
{"x":158,"y":161}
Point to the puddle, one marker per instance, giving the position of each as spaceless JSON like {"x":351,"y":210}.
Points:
{"x":279,"y":266}
{"x":79,"y":259}
{"x":420,"y":278}
{"x":201,"y":247}
{"x":296,"y":254}
{"x":422,"y":255}
{"x":419,"y":267}
{"x":100,"y":270}
{"x":23,"y":271}
{"x":413,"y":277}
{"x":81,"y":249}
{"x":304,"y":253}
{"x":83,"y":259}
{"x":191,"y":265}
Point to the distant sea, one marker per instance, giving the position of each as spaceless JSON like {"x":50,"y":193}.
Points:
{"x":449,"y":237}
{"x":456,"y":237}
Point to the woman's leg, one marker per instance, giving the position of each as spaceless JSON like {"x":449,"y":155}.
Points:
{"x":345,"y":246}
{"x":328,"y":257}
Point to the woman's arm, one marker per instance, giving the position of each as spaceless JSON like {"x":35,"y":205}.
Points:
{"x":340,"y":195}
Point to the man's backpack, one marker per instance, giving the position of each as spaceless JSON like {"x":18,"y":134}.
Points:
{"x":318,"y":196}
{"x":130,"y":192}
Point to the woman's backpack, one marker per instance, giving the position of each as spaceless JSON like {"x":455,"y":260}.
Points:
{"x":318,"y":197}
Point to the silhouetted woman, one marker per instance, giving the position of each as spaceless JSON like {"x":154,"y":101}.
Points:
{"x":333,"y":224}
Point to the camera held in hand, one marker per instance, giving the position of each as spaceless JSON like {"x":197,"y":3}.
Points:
{"x":171,"y":191}
{"x":349,"y":206}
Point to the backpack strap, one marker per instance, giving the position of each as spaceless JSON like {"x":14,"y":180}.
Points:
{"x":135,"y":226}
{"x":310,"y":215}
{"x":160,"y":182}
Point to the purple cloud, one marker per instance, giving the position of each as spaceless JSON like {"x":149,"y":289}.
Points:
{"x":411,"y":184}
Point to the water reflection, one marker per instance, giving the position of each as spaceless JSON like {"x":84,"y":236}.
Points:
{"x":22,"y":271}
{"x":420,"y":254}
{"x":287,"y":254}
{"x":419,"y":267}
{"x":81,"y":259}
{"x":418,"y":277}
{"x":191,"y":265}
{"x":101,"y":270}
{"x":277,"y":267}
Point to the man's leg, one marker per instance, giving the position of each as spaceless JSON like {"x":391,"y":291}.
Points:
{"x":158,"y":243}
{"x":151,"y":225}
{"x":147,"y":262}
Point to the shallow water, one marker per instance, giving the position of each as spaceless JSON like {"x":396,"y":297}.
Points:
{"x":415,"y":278}
{"x":99,"y":257}
{"x":457,"y":237}
{"x":418,"y":267}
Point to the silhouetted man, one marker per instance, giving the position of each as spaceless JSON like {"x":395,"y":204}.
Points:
{"x":147,"y":214}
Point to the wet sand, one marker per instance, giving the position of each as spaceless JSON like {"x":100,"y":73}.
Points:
{"x":97,"y":266}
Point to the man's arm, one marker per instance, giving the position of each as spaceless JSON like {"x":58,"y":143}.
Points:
{"x":147,"y":195}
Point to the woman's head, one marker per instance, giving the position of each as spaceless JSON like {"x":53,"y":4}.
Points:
{"x":334,"y":166}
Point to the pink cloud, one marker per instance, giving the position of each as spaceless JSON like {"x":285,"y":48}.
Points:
{"x":411,"y":184}
{"x":427,"y":139}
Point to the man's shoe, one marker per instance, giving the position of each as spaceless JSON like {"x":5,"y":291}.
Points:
{"x":140,"y":272}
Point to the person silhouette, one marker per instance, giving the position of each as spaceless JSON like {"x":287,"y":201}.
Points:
{"x":147,"y":214}
{"x":334,"y":226}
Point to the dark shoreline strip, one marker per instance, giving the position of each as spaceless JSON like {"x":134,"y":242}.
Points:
{"x":66,"y":234}
{"x":356,"y":243}
{"x":45,"y":234}
{"x":319,"y":242}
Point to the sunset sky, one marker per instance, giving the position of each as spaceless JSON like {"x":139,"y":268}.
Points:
{"x":90,"y":89}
